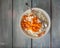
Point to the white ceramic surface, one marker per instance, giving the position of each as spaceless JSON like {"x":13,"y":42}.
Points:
{"x":47,"y":16}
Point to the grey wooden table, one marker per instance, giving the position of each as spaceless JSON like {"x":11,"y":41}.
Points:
{"x":10,"y":34}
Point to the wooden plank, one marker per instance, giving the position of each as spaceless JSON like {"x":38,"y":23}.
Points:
{"x":19,"y":39}
{"x":5,"y":23}
{"x":56,"y":24}
{"x":45,"y":41}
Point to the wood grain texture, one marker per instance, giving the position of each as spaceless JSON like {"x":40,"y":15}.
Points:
{"x":56,"y":24}
{"x":5,"y":23}
{"x":19,"y":39}
{"x":45,"y":41}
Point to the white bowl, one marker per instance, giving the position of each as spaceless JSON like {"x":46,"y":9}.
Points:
{"x":47,"y":16}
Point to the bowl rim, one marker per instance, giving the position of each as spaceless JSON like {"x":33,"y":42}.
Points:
{"x":45,"y":13}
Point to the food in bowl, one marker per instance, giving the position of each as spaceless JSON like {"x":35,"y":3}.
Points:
{"x":34,"y":23}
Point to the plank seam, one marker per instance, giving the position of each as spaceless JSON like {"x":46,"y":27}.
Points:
{"x":12,"y":23}
{"x":51,"y":24}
